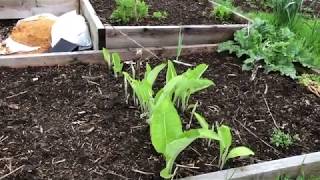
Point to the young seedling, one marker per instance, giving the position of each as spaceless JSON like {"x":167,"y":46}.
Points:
{"x":107,"y":57}
{"x":117,"y":64}
{"x":160,"y":15}
{"x":225,"y":143}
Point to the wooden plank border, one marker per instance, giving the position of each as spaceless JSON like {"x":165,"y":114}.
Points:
{"x":292,"y":166}
{"x":18,"y":9}
{"x":95,"y":57}
{"x":95,"y":25}
{"x":158,"y":36}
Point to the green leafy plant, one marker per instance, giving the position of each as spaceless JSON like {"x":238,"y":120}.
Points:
{"x":113,"y":60}
{"x":281,"y":139}
{"x":276,"y":49}
{"x":143,"y":89}
{"x":160,"y":15}
{"x":167,"y":135}
{"x":286,"y":11}
{"x":117,"y":64}
{"x":181,"y":87}
{"x":222,"y":9}
{"x":128,"y":10}
{"x":225,"y":143}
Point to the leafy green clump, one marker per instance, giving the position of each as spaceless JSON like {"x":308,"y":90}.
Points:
{"x":113,"y":60}
{"x":160,"y":15}
{"x":223,"y":10}
{"x":281,"y":139}
{"x":185,"y":84}
{"x":276,"y":49}
{"x":312,"y":82}
{"x":286,"y":11}
{"x":143,"y":89}
{"x":129,"y":10}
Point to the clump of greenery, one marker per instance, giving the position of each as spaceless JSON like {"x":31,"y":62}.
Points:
{"x":223,"y":10}
{"x":277,"y":49}
{"x":312,"y":82}
{"x":113,"y":60}
{"x":160,"y":15}
{"x":281,"y":139}
{"x":129,"y":10}
{"x":286,"y":11}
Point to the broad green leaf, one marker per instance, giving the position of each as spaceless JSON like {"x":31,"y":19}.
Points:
{"x":106,"y":57}
{"x":165,"y":125}
{"x":171,"y":72}
{"x":224,"y":133}
{"x":117,"y":64}
{"x":172,"y":151}
{"x":148,"y":70}
{"x":177,"y":146}
{"x":153,"y":74}
{"x":197,"y":72}
{"x":239,"y":151}
{"x":202,"y":121}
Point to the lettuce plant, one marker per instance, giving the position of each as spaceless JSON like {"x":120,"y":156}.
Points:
{"x":167,"y":135}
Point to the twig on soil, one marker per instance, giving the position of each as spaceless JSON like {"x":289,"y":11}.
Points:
{"x":115,"y":174}
{"x":267,"y":144}
{"x":7,"y":175}
{"x":183,"y":63}
{"x":188,"y":167}
{"x":142,"y":172}
{"x":270,"y":113}
{"x":15,"y":95}
{"x":92,"y":78}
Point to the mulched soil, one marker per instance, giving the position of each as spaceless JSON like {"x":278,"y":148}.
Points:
{"x":72,"y":122}
{"x":179,"y":12}
{"x":5,"y":28}
{"x":310,"y":7}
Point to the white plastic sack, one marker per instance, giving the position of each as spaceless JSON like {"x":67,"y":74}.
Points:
{"x":71,"y":27}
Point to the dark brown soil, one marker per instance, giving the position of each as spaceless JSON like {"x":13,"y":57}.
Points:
{"x":179,"y":12}
{"x":310,"y":8}
{"x":5,"y":28}
{"x":72,"y":122}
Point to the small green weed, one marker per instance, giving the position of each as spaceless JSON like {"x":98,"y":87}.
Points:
{"x":160,"y":15}
{"x":281,"y":139}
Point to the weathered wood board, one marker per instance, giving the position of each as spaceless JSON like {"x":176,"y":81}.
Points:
{"x":95,"y":57}
{"x":17,"y":9}
{"x":158,"y":36}
{"x":95,"y":25}
{"x":292,"y":166}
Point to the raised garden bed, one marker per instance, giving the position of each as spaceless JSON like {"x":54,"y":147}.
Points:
{"x":72,"y":121}
{"x":191,"y":17}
